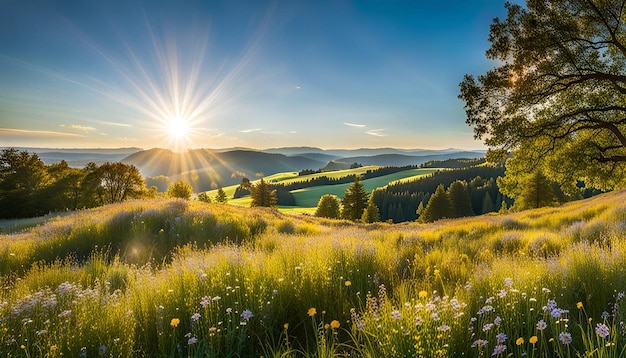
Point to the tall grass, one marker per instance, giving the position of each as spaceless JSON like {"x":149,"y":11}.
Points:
{"x":175,"y":278}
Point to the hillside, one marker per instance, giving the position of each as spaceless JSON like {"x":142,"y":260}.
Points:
{"x":262,"y":273}
{"x":403,"y":159}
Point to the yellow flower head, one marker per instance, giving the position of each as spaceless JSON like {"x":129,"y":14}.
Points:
{"x":326,"y":326}
{"x":551,"y":340}
{"x":286,"y":326}
{"x":533,"y":339}
{"x":311,"y":312}
{"x":348,"y":283}
{"x":436,"y":272}
{"x":423,"y":294}
{"x":334,"y":324}
{"x":519,"y":341}
{"x":174,"y":322}
{"x":579,"y":305}
{"x":23,"y":346}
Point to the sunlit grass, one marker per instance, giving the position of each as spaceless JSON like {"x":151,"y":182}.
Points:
{"x":176,"y":278}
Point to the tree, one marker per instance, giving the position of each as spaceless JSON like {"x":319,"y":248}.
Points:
{"x":460,"y":199}
{"x":438,"y":207}
{"x":263,"y":195}
{"x":328,"y":207}
{"x":371,"y":214}
{"x":204,"y":197}
{"x":180,"y":189}
{"x":354,"y":201}
{"x":537,"y":192}
{"x":22,"y":176}
{"x":221,"y":196}
{"x":557,"y":98}
{"x":119,"y":182}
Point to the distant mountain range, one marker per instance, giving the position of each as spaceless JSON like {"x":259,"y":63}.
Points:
{"x":210,"y":168}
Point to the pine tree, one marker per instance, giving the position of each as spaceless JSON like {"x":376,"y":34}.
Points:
{"x":263,"y":195}
{"x":371,"y":213}
{"x":328,"y":207}
{"x":221,"y":196}
{"x":438,"y":207}
{"x":460,"y":199}
{"x":488,"y":204}
{"x":537,"y":192}
{"x":354,"y":201}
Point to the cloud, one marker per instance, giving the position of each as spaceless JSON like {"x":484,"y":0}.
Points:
{"x":355,"y":125}
{"x":85,"y":129}
{"x":376,"y":132}
{"x":114,"y":124}
{"x":26,"y":132}
{"x":249,"y":130}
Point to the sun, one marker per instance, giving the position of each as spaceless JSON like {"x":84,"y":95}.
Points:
{"x":178,"y":128}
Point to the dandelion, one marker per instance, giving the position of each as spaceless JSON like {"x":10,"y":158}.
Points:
{"x":396,"y":315}
{"x":499,"y":349}
{"x":565,"y":337}
{"x":286,"y":326}
{"x":423,"y":294}
{"x":311,"y":312}
{"x":579,"y":305}
{"x":541,"y":325}
{"x":533,"y":339}
{"x":174,"y":322}
{"x":602,"y":330}
{"x":192,"y":340}
{"x":348,"y":283}
{"x":519,"y":341}
{"x":247,"y":314}
{"x":334,"y":324}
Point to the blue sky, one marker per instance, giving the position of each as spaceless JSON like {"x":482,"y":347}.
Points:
{"x":259,"y":74}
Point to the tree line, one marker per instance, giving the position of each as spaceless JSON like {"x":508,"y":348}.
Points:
{"x":29,"y":187}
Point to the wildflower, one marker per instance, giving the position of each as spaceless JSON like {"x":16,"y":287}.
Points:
{"x":360,"y":326}
{"x":443,"y":328}
{"x":620,"y":295}
{"x":501,"y":337}
{"x":479,"y":343}
{"x":192,"y":340}
{"x":174,"y":322}
{"x":102,"y":350}
{"x":348,"y":283}
{"x":565,"y":337}
{"x":286,"y":326}
{"x":502,"y":293}
{"x":23,"y":346}
{"x":396,"y":315}
{"x":311,"y":312}
{"x":605,"y":315}
{"x":229,"y":310}
{"x":533,"y":339}
{"x":556,"y":313}
{"x":418,"y":321}
{"x":550,"y":306}
{"x":436,"y":272}
{"x":247,"y":314}
{"x":579,"y":305}
{"x":545,"y":290}
{"x":541,"y":325}
{"x":334,"y":324}
{"x":205,"y":301}
{"x":497,"y":321}
{"x":423,"y":294}
{"x":487,"y":327}
{"x":508,"y":282}
{"x":519,"y":341}
{"x":499,"y":349}
{"x":195,"y":317}
{"x":602,"y":330}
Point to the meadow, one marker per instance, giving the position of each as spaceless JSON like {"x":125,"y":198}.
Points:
{"x":172,"y":278}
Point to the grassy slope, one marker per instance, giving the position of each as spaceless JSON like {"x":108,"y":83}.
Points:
{"x":278,"y":266}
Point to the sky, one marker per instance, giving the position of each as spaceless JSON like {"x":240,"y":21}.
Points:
{"x":184,"y":74}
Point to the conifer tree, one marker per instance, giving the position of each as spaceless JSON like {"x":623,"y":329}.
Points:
{"x":371,"y":213}
{"x":328,"y":207}
{"x":221,"y":197}
{"x":438,"y":207}
{"x":460,"y":199}
{"x":263,"y":195}
{"x":488,"y":204}
{"x":536,"y":192}
{"x":354,"y":201}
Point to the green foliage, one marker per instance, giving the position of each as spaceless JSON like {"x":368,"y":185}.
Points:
{"x":536,"y":192}
{"x":371,"y":213}
{"x":556,"y":96}
{"x":221,"y":197}
{"x":460,"y":199}
{"x":180,"y":190}
{"x":328,"y":207}
{"x":204,"y":197}
{"x":263,"y":195}
{"x":354,"y":201}
{"x":438,"y":207}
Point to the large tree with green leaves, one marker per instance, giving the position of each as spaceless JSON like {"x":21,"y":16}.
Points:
{"x":557,"y":97}
{"x":263,"y":195}
{"x":181,"y":189}
{"x":354,"y":201}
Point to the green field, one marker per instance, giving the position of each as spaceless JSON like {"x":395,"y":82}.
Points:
{"x":173,"y":278}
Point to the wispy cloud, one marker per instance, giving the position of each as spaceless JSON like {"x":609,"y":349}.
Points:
{"x":26,"y":132}
{"x":114,"y":124}
{"x":354,"y":125}
{"x":249,"y":130}
{"x":79,"y":127}
{"x":376,"y":132}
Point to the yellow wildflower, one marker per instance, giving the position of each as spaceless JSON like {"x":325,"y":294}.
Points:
{"x":519,"y":341}
{"x":579,"y":305}
{"x":348,"y":283}
{"x":334,"y":324}
{"x":326,"y":326}
{"x":311,"y":312}
{"x":174,"y":322}
{"x":286,"y":326}
{"x":436,"y":272}
{"x":423,"y":294}
{"x":551,"y":340}
{"x":533,"y":339}
{"x":23,"y":346}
